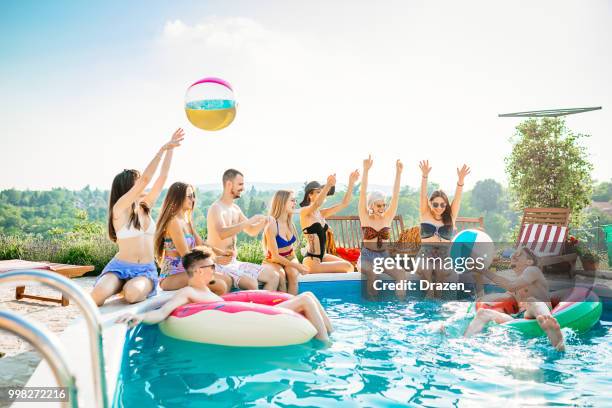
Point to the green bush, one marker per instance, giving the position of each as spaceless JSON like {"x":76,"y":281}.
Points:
{"x":94,"y":250}
{"x":11,"y":247}
{"x":250,"y":252}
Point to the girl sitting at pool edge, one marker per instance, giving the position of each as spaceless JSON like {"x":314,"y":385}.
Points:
{"x":132,"y":269}
{"x":279,"y":238}
{"x":199,"y":265}
{"x":176,"y":235}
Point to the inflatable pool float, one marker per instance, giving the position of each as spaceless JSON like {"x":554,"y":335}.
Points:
{"x":245,"y":319}
{"x":580,"y":309}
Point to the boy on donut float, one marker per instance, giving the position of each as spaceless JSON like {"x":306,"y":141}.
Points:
{"x":200,"y":266}
{"x":530,"y":289}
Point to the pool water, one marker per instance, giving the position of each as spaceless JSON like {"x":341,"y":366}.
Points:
{"x":384,"y":353}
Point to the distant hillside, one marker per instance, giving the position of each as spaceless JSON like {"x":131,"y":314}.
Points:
{"x":296,"y":186}
{"x":604,"y":207}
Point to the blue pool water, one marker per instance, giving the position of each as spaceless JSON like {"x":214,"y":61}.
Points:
{"x":382,"y":354}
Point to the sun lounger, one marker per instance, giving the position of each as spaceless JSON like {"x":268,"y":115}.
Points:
{"x":69,"y":271}
{"x":544,"y":231}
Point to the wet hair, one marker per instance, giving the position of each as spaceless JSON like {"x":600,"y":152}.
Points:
{"x":447,"y":215}
{"x":122,"y":183}
{"x":230,"y":175}
{"x":173,"y":203}
{"x":198,"y":253}
{"x":530,"y":255}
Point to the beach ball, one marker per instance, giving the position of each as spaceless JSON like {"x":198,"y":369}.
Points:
{"x":210,"y":104}
{"x":471,"y":250}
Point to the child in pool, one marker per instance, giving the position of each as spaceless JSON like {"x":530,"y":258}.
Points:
{"x":200,"y":266}
{"x":530,"y":289}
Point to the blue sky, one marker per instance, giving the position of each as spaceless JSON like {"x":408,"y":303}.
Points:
{"x":95,"y":87}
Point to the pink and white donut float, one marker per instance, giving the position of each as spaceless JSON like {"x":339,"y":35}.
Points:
{"x":244,"y":319}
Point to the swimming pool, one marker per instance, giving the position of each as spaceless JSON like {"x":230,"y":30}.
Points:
{"x":385,"y":353}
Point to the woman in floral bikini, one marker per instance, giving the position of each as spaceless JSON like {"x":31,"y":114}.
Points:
{"x":176,"y":235}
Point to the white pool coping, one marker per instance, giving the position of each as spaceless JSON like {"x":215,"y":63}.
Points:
{"x":74,"y":339}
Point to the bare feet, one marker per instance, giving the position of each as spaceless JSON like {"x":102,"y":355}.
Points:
{"x":550,"y":325}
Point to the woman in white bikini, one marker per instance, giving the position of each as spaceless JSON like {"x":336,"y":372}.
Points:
{"x":130,"y":225}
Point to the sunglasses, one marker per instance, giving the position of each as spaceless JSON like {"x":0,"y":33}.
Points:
{"x":191,"y":196}
{"x":436,"y":205}
{"x":212,"y":266}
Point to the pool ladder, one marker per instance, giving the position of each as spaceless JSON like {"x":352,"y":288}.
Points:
{"x":48,"y":344}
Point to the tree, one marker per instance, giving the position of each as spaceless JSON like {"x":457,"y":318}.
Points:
{"x":548,"y":167}
{"x":486,"y":195}
{"x":603,"y":191}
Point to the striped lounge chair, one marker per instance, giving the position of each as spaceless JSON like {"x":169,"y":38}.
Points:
{"x":544,"y":231}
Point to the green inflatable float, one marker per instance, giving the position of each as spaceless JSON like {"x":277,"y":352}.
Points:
{"x":579,"y":309}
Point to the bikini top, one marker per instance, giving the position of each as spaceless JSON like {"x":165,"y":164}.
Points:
{"x":169,"y":243}
{"x":128,"y":231}
{"x":380,"y":235}
{"x":280,"y":241}
{"x":317,"y":228}
{"x":428,"y":230}
{"x":320,"y":230}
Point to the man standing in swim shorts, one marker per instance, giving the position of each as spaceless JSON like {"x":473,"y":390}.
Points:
{"x":225,"y":221}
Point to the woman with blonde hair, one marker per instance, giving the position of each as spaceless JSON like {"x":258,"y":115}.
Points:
{"x":176,"y":235}
{"x":279,"y":238}
{"x":375,"y":218}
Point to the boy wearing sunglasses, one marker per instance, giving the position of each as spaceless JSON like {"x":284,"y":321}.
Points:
{"x":200,"y":266}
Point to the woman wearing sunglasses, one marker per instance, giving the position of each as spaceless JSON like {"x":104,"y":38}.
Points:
{"x":176,"y":236}
{"x":438,"y":226}
{"x":376,"y":218}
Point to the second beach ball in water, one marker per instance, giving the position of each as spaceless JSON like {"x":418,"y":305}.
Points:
{"x":210,"y":104}
{"x":474,"y":244}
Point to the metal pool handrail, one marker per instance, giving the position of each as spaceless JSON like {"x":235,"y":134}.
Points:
{"x":48,"y":345}
{"x":90,"y":312}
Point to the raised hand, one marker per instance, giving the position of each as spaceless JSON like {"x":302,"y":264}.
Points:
{"x":367,"y":163}
{"x":354,"y":176}
{"x":425,"y":167}
{"x":464,"y":171}
{"x":331,"y":179}
{"x":175,"y":141}
{"x":399,"y":166}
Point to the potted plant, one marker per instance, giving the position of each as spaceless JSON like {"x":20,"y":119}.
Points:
{"x":588,"y":258}
{"x":571,"y":244}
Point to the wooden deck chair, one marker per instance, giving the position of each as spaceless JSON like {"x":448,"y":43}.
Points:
{"x":69,"y":271}
{"x":544,"y":231}
{"x":463,"y":223}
